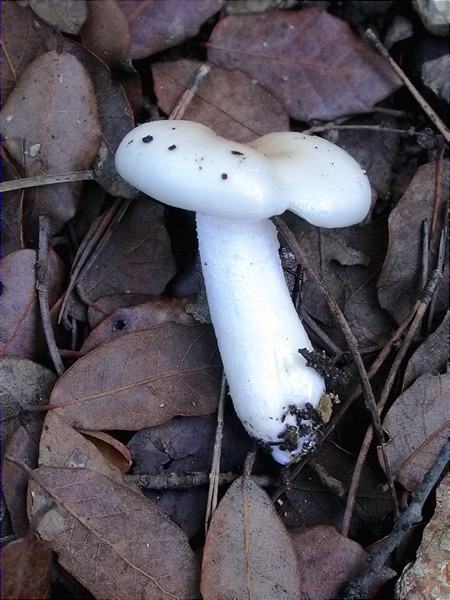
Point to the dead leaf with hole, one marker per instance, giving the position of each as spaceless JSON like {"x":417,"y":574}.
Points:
{"x":26,"y":564}
{"x":248,"y":552}
{"x":142,"y":379}
{"x":308,"y":59}
{"x":50,"y":125}
{"x":227,"y":101}
{"x":418,"y":426}
{"x":155,"y":26}
{"x":137,"y":258}
{"x":21,"y":332}
{"x":138,"y":318}
{"x":106,"y":305}
{"x":110,"y":538}
{"x":399,"y":281}
{"x":66,"y":15}
{"x":427,"y":576}
{"x":327,"y":560}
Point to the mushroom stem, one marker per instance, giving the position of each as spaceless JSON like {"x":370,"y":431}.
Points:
{"x":259,"y":334}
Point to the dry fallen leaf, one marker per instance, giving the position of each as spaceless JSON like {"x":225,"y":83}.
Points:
{"x":50,"y":125}
{"x":115,"y":453}
{"x":110,"y":538}
{"x":308,"y":59}
{"x":227,"y":101}
{"x":142,"y":379}
{"x":20,"y":329}
{"x":417,"y":425}
{"x":155,"y":26}
{"x":65,"y":15}
{"x":106,"y":305}
{"x":26,"y":566}
{"x":248,"y":552}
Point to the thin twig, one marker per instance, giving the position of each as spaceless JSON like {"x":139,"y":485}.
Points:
{"x":379,"y":128}
{"x":413,"y":514}
{"x":440,"y":267}
{"x":184,"y":481}
{"x":428,"y":110}
{"x":389,"y":383}
{"x":42,"y":290}
{"x":425,"y":253}
{"x":39,"y":180}
{"x":182,"y":104}
{"x":437,"y":188}
{"x":352,"y":343}
{"x":213,"y":489}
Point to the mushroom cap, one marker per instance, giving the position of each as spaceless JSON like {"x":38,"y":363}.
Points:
{"x":187,"y":165}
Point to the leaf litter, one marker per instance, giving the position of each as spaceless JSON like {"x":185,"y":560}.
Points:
{"x":138,"y":362}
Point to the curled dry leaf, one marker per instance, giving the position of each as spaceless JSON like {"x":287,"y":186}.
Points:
{"x":116,"y":453}
{"x":399,"y":281}
{"x":105,"y":32}
{"x":50,"y":125}
{"x":227,"y":101}
{"x":26,"y":566}
{"x":137,"y":258}
{"x":427,"y":576}
{"x":155,"y":26}
{"x":310,"y":60}
{"x":138,"y":318}
{"x":20,"y":329}
{"x":142,"y":379}
{"x":110,"y":538}
{"x":66,"y":15}
{"x":248,"y":552}
{"x":418,"y":426}
{"x":327,"y":560}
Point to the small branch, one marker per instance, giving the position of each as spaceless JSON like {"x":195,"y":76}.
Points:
{"x":379,"y":128}
{"x":41,"y":286}
{"x":427,"y":109}
{"x":182,"y":104}
{"x":39,"y":180}
{"x":185,"y":481}
{"x":413,"y":514}
{"x":437,"y":189}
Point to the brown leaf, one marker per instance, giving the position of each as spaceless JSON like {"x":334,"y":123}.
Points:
{"x":327,"y":560}
{"x":431,"y":356}
{"x":20,"y":329}
{"x":137,"y":318}
{"x":110,"y":538}
{"x":65,"y":15}
{"x":155,"y":26}
{"x":114,"y":451}
{"x":12,"y":212}
{"x":137,"y":258}
{"x":418,"y":427}
{"x":26,"y":569}
{"x":62,"y":446}
{"x":105,"y":32}
{"x":227,"y":101}
{"x":142,"y":379}
{"x":248,"y":552}
{"x":50,"y":124}
{"x":24,"y":38}
{"x":427,"y":576}
{"x":310,"y":60}
{"x":106,"y":305}
{"x":399,"y":281}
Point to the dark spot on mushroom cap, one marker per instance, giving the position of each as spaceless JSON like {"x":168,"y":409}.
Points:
{"x":147,"y":139}
{"x":224,"y":176}
{"x":130,"y":142}
{"x":172,"y":147}
{"x":237,"y":153}
{"x":173,"y":128}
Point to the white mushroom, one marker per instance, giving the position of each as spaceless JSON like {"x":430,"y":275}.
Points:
{"x":234,"y":189}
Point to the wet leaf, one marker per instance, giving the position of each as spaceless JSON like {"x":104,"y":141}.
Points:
{"x":137,"y":258}
{"x":142,"y":379}
{"x":105,"y":32}
{"x":20,"y":329}
{"x":327,"y":560}
{"x":155,"y":26}
{"x":137,"y":318}
{"x":399,"y":281}
{"x":50,"y":124}
{"x":12,"y":213}
{"x":248,"y":552}
{"x":418,"y":427}
{"x":427,"y":576}
{"x":26,"y":569}
{"x":227,"y":101}
{"x":110,"y":538}
{"x":24,"y":38}
{"x":431,"y":356}
{"x":65,"y":15}
{"x":310,"y":60}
